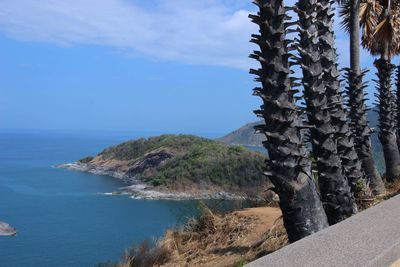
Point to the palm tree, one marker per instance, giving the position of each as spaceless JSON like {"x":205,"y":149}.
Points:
{"x":289,"y":166}
{"x":346,"y":148}
{"x":398,"y":105}
{"x":334,"y":187}
{"x":361,"y":130}
{"x":355,"y":92}
{"x":381,"y":37}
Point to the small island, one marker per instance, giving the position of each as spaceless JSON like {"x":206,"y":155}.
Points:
{"x":180,"y":167}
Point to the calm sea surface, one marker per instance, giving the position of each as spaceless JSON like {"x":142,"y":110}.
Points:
{"x":61,"y":218}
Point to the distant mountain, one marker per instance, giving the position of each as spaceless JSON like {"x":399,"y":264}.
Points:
{"x":246,"y":135}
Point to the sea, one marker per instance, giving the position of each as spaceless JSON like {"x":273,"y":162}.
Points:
{"x":63,"y":217}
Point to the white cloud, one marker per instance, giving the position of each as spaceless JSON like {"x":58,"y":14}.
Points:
{"x":211,"y":32}
{"x":196,"y":32}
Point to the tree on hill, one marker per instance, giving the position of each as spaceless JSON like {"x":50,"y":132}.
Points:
{"x":338,"y":199}
{"x":289,"y":166}
{"x":350,"y":14}
{"x":344,"y":163}
{"x":398,"y":105}
{"x":345,"y":142}
{"x":381,"y":36}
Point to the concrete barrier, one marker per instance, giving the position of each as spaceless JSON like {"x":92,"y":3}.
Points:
{"x":370,"y":238}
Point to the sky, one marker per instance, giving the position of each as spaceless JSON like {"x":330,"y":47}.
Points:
{"x":173,"y":66}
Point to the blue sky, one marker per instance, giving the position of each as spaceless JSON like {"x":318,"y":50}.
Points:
{"x":129,"y":65}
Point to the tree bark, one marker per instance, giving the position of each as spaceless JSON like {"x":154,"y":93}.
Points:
{"x":289,"y":166}
{"x":337,"y":197}
{"x":398,"y":105}
{"x":377,"y":186}
{"x":358,"y":111}
{"x":346,"y":148}
{"x":362,"y":132}
{"x":387,"y":124}
{"x":355,"y":36}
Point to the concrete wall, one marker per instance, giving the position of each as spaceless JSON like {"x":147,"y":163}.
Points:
{"x":370,"y":238}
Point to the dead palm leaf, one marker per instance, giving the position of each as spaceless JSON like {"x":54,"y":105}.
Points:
{"x":370,"y":12}
{"x":387,"y":31}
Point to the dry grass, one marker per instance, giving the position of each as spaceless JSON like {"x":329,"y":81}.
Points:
{"x":214,"y":240}
{"x":223,"y":240}
{"x":392,"y":189}
{"x":146,"y":255}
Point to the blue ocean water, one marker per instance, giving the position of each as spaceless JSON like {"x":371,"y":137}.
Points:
{"x":61,"y":218}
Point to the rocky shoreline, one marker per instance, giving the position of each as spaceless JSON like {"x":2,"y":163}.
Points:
{"x":140,"y":190}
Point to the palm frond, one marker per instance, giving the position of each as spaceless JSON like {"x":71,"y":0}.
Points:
{"x":388,"y":30}
{"x":344,"y":13}
{"x":383,"y":30}
{"x":370,"y":13}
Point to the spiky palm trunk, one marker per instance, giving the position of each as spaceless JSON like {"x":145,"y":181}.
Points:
{"x":362,"y":132}
{"x":335,"y":190}
{"x":289,"y":167}
{"x":398,"y":105}
{"x":346,"y":148}
{"x":356,"y":102}
{"x":387,"y":125}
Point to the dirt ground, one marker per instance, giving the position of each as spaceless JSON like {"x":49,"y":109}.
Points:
{"x":230,"y":240}
{"x":236,"y":238}
{"x":233,"y":239}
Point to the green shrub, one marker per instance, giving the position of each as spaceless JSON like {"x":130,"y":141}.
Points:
{"x":197,"y":160}
{"x":86,"y":160}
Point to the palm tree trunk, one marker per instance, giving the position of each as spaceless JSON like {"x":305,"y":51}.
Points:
{"x":358,"y":111}
{"x":338,"y":200}
{"x":346,"y":148}
{"x":362,"y":132}
{"x":387,"y":125}
{"x":355,"y":36}
{"x":398,"y":105}
{"x":289,"y":167}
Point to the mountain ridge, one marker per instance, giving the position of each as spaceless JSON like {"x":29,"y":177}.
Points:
{"x":246,"y":136}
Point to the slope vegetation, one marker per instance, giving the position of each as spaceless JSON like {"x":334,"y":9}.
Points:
{"x":181,"y":163}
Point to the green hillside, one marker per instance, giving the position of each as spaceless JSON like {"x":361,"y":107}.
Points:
{"x":175,"y":161}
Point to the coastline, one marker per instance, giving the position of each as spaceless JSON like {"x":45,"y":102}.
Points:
{"x":139,"y":190}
